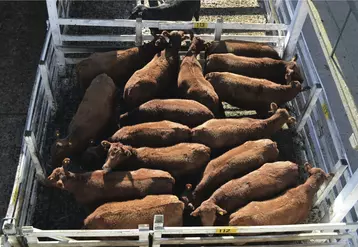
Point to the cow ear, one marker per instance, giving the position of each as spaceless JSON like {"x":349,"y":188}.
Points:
{"x":106,"y":145}
{"x":273,"y":107}
{"x":307,"y":167}
{"x":59,"y":144}
{"x":294,"y":59}
{"x":60,"y":184}
{"x":288,"y":75}
{"x":166,"y":34}
{"x":291,"y":120}
{"x":195,"y":213}
{"x":127,"y":152}
{"x":57,"y":134}
{"x":221,"y":211}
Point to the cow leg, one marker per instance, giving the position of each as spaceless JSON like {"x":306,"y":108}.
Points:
{"x":196,"y":15}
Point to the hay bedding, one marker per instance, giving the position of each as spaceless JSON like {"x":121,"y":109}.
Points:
{"x":57,"y":209}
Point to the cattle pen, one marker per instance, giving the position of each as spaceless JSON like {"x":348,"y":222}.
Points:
{"x":321,"y":144}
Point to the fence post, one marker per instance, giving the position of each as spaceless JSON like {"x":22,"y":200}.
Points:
{"x":312,"y":100}
{"x":31,"y":146}
{"x":143,"y":232}
{"x":218,"y":28}
{"x":56,"y":34}
{"x":138,"y":32}
{"x":46,"y":83}
{"x":158,"y":226}
{"x":295,"y":29}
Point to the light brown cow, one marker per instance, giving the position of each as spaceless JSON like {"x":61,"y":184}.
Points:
{"x":187,"y":112}
{"x":158,"y":76}
{"x":252,"y":93}
{"x":154,"y":134}
{"x":119,"y":65}
{"x":229,"y":133}
{"x":242,"y":48}
{"x":97,"y":187}
{"x":90,"y":121}
{"x":191,"y":81}
{"x":292,"y":207}
{"x":278,"y":71}
{"x":130,"y":214}
{"x":264,"y":183}
{"x":180,"y":159}
{"x":234,"y":163}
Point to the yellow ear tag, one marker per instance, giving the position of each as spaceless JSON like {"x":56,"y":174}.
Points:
{"x":221,"y":213}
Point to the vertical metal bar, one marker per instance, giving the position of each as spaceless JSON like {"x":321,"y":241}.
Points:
{"x":56,"y":33}
{"x":345,"y":200}
{"x":315,"y":92}
{"x":138,"y":32}
{"x":218,"y":28}
{"x":31,"y":145}
{"x":342,"y":166}
{"x":158,"y":226}
{"x":143,"y":232}
{"x":46,"y":83}
{"x":340,"y":33}
{"x":295,"y":28}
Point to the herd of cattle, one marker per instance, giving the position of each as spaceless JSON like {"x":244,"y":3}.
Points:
{"x":175,"y":149}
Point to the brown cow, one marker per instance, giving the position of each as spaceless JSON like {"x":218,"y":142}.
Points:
{"x":278,"y":71}
{"x":155,"y":134}
{"x":242,"y":48}
{"x":119,"y":65}
{"x":94,"y":188}
{"x":264,"y":183}
{"x":178,"y":160}
{"x":252,"y":93}
{"x":187,"y":112}
{"x":90,"y":121}
{"x":158,"y":76}
{"x":191,"y":81}
{"x":292,"y":207}
{"x":234,"y":163}
{"x":228,"y":133}
{"x":130,"y":214}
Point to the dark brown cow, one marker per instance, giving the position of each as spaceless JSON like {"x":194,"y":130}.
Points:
{"x":187,"y":112}
{"x":252,"y":93}
{"x":229,"y":133}
{"x":242,"y":48}
{"x":292,"y":207}
{"x":119,"y":65}
{"x":234,"y":163}
{"x":191,"y":81}
{"x":264,"y":183}
{"x":130,"y":214}
{"x":278,"y":71}
{"x":95,"y":188}
{"x":154,"y":134}
{"x":93,"y":115}
{"x":180,"y":159}
{"x":158,"y":76}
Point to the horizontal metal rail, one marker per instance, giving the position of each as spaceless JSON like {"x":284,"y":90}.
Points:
{"x":171,"y":24}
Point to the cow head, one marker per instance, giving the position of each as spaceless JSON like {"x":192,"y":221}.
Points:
{"x":208,"y":212}
{"x":174,"y":38}
{"x":117,"y":153}
{"x":61,"y":149}
{"x":282,"y":113}
{"x":60,"y":174}
{"x":137,"y":12}
{"x":293,"y":72}
{"x":319,"y":175}
{"x":198,"y":45}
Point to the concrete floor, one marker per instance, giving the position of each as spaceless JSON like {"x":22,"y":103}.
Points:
{"x":22,"y":32}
